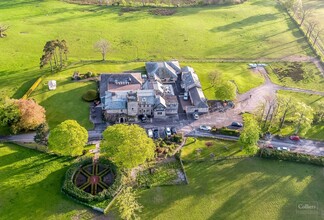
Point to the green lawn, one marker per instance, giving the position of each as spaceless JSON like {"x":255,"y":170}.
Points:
{"x":255,"y":29}
{"x":208,"y":146}
{"x":31,"y":186}
{"x":241,"y":189}
{"x":307,"y":76}
{"x":317,"y":130}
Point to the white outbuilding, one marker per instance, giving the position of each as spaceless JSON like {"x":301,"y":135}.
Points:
{"x":52,"y":84}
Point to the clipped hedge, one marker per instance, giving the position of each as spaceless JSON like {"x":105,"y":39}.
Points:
{"x":90,"y":95}
{"x":226,"y":131}
{"x":73,"y":191}
{"x":291,"y":156}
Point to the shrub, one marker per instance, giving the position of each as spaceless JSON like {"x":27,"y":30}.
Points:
{"x":226,"y":131}
{"x":90,"y":95}
{"x":291,"y":156}
{"x":209,"y":143}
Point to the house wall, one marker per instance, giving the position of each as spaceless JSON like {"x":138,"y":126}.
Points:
{"x":172,"y":108}
{"x":192,"y":109}
{"x":144,"y":108}
{"x":159,"y":113}
{"x":132,"y":108}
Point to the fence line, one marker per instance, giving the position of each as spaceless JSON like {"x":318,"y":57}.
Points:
{"x":33,"y":87}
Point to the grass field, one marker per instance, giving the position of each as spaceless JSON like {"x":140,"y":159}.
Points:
{"x":31,"y":186}
{"x":317,"y":130}
{"x":240,"y":189}
{"x":318,"y":14}
{"x":298,"y":75}
{"x":243,"y":77}
{"x":207,"y":146}
{"x":255,"y":29}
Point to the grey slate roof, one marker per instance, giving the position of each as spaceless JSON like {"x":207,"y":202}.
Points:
{"x":113,"y":102}
{"x":126,"y":78}
{"x":163,"y":69}
{"x":198,"y":97}
{"x":190,"y":78}
{"x":159,"y":101}
{"x":146,"y":96}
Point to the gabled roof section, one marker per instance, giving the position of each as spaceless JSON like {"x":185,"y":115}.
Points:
{"x":159,"y":101}
{"x":198,"y":97}
{"x":163,"y":70}
{"x":190,"y":78}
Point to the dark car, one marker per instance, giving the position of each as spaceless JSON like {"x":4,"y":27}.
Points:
{"x":156,"y":133}
{"x":237,"y":124}
{"x":294,"y":138}
{"x":173,"y":130}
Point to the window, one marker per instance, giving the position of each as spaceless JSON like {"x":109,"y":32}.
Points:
{"x":159,"y":113}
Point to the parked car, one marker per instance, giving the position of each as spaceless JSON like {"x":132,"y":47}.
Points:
{"x":185,"y":96}
{"x":156,"y":133}
{"x":173,"y":130}
{"x":285,"y":149}
{"x":294,"y":138}
{"x":195,"y":116}
{"x":168,"y":131}
{"x":205,"y":128}
{"x":237,"y":124}
{"x":150,"y":133}
{"x":279,"y":148}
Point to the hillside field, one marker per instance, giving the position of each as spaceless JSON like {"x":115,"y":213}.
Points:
{"x":255,"y":29}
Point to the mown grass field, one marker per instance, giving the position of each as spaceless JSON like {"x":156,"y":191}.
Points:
{"x":255,"y":29}
{"x":305,"y":76}
{"x":318,"y":14}
{"x":316,"y":132}
{"x":239,"y":189}
{"x":207,"y":146}
{"x":31,"y":186}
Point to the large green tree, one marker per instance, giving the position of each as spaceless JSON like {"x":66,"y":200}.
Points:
{"x":251,"y":133}
{"x":68,"y":138}
{"x":127,"y":204}
{"x":225,"y":91}
{"x":127,"y":145}
{"x":303,"y":118}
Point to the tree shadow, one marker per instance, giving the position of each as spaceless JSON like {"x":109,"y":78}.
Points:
{"x":250,"y":21}
{"x":235,"y":188}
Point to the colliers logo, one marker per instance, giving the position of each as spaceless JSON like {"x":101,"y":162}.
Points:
{"x":307,"y":207}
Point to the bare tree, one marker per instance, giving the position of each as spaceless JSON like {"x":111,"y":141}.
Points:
{"x":215,"y":77}
{"x":311,"y":26}
{"x":3,"y":29}
{"x":318,"y":32}
{"x":304,"y":14}
{"x":102,"y":46}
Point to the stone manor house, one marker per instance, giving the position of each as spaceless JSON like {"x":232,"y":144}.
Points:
{"x":127,"y":96}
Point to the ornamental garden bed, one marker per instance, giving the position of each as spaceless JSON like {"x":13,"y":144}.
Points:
{"x":92,"y":183}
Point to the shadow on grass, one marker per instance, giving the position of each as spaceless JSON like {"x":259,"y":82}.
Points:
{"x":236,"y":189}
{"x":68,"y":104}
{"x":250,"y":21}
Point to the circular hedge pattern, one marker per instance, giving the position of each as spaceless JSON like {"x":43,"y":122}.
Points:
{"x":94,"y":178}
{"x":89,"y":182}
